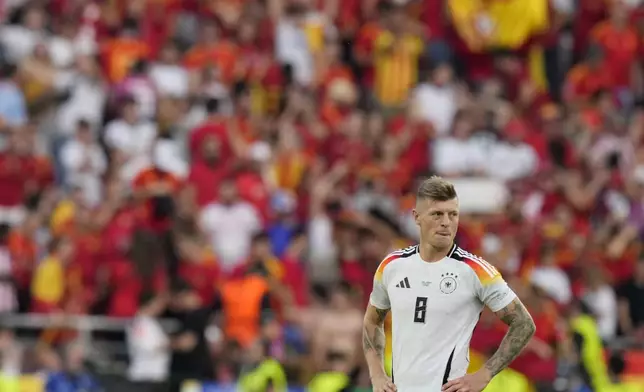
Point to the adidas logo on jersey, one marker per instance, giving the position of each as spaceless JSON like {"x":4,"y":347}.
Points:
{"x":404,"y":284}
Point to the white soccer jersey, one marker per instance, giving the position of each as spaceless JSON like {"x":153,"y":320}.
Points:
{"x":435,"y":307}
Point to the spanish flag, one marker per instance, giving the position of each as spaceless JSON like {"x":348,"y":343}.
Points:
{"x":509,"y":24}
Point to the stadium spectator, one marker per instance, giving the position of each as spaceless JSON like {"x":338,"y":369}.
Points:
{"x":631,"y":318}
{"x":74,"y":377}
{"x":230,"y":224}
{"x":51,"y":282}
{"x":148,"y":344}
{"x":190,"y":359}
{"x":84,"y":163}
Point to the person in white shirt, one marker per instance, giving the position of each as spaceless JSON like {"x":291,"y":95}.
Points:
{"x":87,"y":95}
{"x":512,"y":158}
{"x":21,"y":40}
{"x":600,"y":297}
{"x":84,"y":163}
{"x":61,"y":45}
{"x":230,"y":224}
{"x":130,"y":140}
{"x":435,"y":99}
{"x":148,"y":344}
{"x":551,"y":279}
{"x":459,"y":154}
{"x":291,"y":43}
{"x":168,"y":76}
{"x":436,"y":292}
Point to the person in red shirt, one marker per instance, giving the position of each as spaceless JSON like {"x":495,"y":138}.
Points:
{"x":588,"y":77}
{"x":620,"y":43}
{"x":252,"y":187}
{"x":129,"y":274}
{"x":332,"y":67}
{"x":214,"y":126}
{"x":16,"y":177}
{"x":589,"y":13}
{"x":208,"y":171}
{"x":210,"y":50}
{"x":198,"y":267}
{"x":119,"y":54}
{"x":294,"y":274}
{"x":23,"y":250}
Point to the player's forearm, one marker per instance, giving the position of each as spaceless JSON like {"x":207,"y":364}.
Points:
{"x":373,"y":344}
{"x":373,"y":340}
{"x":521,"y":330}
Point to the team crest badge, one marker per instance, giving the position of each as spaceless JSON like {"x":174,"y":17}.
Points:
{"x":448,"y":283}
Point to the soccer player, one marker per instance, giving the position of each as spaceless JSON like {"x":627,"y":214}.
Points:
{"x":436,"y":292}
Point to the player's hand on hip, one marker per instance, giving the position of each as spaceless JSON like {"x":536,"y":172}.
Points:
{"x":474,"y":382}
{"x":383,"y":384}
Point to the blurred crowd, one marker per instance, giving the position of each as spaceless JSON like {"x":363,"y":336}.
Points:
{"x":241,"y":167}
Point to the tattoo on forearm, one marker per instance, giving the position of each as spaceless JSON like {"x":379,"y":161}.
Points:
{"x":373,"y":335}
{"x":521,"y":330}
{"x":382,"y":314}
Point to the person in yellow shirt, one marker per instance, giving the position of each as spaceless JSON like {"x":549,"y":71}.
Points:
{"x":49,"y":281}
{"x":396,"y":55}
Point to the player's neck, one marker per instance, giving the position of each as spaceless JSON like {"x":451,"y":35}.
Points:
{"x":431,"y":254}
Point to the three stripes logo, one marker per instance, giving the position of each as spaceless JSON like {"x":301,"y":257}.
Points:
{"x":404,"y":284}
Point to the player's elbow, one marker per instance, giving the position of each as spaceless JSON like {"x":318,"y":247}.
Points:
{"x":374,"y":316}
{"x":530,"y":327}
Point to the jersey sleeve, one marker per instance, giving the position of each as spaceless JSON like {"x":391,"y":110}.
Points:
{"x":491,"y":288}
{"x":379,"y":295}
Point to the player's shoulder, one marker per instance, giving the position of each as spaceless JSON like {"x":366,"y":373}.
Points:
{"x":399,"y":254}
{"x":483,"y":269}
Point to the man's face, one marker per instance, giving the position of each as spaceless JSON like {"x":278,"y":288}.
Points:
{"x":228,"y":192}
{"x":437,"y":220}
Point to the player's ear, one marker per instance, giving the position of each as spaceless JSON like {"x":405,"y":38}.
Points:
{"x":416,"y":216}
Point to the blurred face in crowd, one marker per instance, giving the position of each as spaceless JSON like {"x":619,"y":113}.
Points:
{"x":84,"y":134}
{"x":332,"y":51}
{"x":86,"y":65}
{"x":34,"y":19}
{"x":353,"y":126}
{"x":397,"y":19}
{"x":261,"y":248}
{"x":170,"y":54}
{"x":75,"y":358}
{"x":65,"y":250}
{"x":210,"y":150}
{"x":67,"y":29}
{"x":340,"y":298}
{"x":272,"y":330}
{"x":247,"y":32}
{"x":19,"y":143}
{"x":548,"y":256}
{"x":438,"y":221}
{"x":508,"y":65}
{"x":6,"y":339}
{"x":130,"y":112}
{"x":442,"y":75}
{"x":462,"y":128}
{"x":208,"y":34}
{"x":228,"y":192}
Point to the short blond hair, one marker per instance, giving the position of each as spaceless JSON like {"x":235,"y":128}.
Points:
{"x":436,"y":188}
